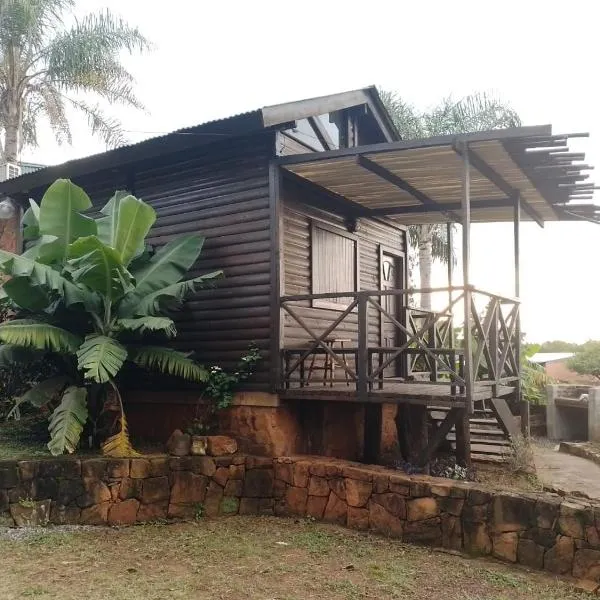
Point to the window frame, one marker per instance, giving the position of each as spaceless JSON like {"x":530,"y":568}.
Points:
{"x":323,"y":302}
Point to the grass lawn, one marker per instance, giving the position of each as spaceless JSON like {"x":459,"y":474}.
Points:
{"x":250,"y":557}
{"x":23,"y":438}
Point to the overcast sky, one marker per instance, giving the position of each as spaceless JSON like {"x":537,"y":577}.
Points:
{"x":214,"y":59}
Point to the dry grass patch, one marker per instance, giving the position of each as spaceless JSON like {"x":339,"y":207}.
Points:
{"x":253,"y":558}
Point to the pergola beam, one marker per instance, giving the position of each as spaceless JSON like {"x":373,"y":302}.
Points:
{"x":396,"y":180}
{"x":488,"y":172}
{"x":420,"y":209}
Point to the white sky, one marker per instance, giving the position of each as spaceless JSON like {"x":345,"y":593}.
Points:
{"x":214,"y":59}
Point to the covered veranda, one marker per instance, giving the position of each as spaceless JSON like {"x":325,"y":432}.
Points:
{"x":513,"y":175}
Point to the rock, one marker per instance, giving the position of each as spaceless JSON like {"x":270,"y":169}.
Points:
{"x":300,"y":474}
{"x":357,"y":473}
{"x":155,"y":489}
{"x":451,"y":532}
{"x":227,"y":461}
{"x":6,"y":520}
{"x":187,"y":488}
{"x":505,"y":546}
{"x":68,"y":491}
{"x":315,"y":506}
{"x":547,"y":512}
{"x":586,"y":586}
{"x":221,"y":476}
{"x":318,"y":486}
{"x":266,"y":506}
{"x":338,"y":487}
{"x":159,"y":467}
{"x":234,"y":487}
{"x":93,"y":468}
{"x":284,"y":472}
{"x":212,"y":500}
{"x":59,"y":468}
{"x":258,"y":483}
{"x":559,"y":558}
{"x":220,"y":445}
{"x":140,"y":468}
{"x":229,"y":505}
{"x":117,"y":468}
{"x":335,"y":510}
{"x":64,"y":515}
{"x":428,"y":532}
{"x":199,"y":445}
{"x":204,"y":465}
{"x":591,"y":535}
{"x":152,"y":512}
{"x":95,"y":492}
{"x":570,"y":520}
{"x":358,"y":492}
{"x":295,"y":499}
{"x":237,"y":472}
{"x":181,"y":463}
{"x":257,"y":462}
{"x":393,"y":503}
{"x":3,"y":501}
{"x":452,"y":506}
{"x":182,"y":511}
{"x":512,"y":513}
{"x":326,"y":468}
{"x":420,"y":489}
{"x":248,"y":506}
{"x":95,"y":515}
{"x":530,"y":554}
{"x":422,"y":508}
{"x":381,"y":483}
{"x":382,"y":521}
{"x":279,"y":488}
{"x":476,"y":538}
{"x":478,"y":513}
{"x":123,"y":513}
{"x":400,"y":484}
{"x":179,"y":443}
{"x":586,"y":564}
{"x":31,"y":513}
{"x":28,"y":469}
{"x":358,"y":518}
{"x":44,"y":488}
{"x":131,"y":488}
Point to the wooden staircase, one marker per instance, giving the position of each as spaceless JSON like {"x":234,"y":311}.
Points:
{"x":491,"y":427}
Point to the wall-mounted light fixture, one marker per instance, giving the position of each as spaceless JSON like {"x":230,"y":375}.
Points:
{"x":352,"y":224}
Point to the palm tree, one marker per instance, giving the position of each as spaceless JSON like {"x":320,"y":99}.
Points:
{"x":45,"y":67}
{"x":477,"y":112}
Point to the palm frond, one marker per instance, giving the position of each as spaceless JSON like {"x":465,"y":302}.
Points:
{"x":41,"y":336}
{"x":67,"y":421}
{"x":170,"y":296}
{"x":167,"y":361}
{"x":100,"y":357}
{"x":119,"y":444}
{"x":148,"y":324}
{"x":109,"y":129}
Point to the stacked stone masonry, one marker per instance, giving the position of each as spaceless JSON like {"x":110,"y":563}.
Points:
{"x":538,"y":530}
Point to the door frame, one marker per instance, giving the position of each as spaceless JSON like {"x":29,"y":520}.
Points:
{"x":402,"y":278}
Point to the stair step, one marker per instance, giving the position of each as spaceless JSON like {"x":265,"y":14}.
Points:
{"x":479,"y":448}
{"x":478,"y":440}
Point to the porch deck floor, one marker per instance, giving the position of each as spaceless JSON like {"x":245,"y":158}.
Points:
{"x":430,"y":394}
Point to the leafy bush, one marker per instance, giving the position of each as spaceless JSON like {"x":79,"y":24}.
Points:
{"x":88,"y":291}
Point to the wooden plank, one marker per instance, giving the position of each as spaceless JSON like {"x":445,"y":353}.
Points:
{"x":505,"y":418}
{"x":443,"y":429}
{"x":463,"y":439}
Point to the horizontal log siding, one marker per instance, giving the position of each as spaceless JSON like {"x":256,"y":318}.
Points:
{"x":297,"y":219}
{"x":221,"y":192}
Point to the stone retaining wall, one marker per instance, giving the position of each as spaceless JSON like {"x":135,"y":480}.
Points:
{"x":538,"y":530}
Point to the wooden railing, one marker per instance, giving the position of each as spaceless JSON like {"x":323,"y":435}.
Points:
{"x":425,"y":351}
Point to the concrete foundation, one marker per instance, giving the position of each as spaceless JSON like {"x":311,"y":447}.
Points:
{"x":573,"y":413}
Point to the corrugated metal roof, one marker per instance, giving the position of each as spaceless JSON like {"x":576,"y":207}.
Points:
{"x":545,"y":357}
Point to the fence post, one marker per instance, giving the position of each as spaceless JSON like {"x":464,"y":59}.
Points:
{"x":362,"y":368}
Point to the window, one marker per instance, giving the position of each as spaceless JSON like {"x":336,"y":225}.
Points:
{"x":334,"y":265}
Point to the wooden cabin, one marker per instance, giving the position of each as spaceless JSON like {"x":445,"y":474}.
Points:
{"x":305,"y":206}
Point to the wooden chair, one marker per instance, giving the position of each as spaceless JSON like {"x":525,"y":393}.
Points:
{"x":329,"y":363}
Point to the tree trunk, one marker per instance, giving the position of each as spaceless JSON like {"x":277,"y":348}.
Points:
{"x":11,"y":140}
{"x":425,"y":262}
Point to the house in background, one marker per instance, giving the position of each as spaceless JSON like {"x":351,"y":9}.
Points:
{"x":305,"y":206}
{"x":556,"y":367}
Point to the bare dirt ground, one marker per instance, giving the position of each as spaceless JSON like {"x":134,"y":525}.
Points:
{"x":262,"y":558}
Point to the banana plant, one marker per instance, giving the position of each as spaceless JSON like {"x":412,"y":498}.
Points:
{"x":90,"y":290}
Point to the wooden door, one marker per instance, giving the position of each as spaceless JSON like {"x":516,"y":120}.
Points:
{"x":391,"y":278}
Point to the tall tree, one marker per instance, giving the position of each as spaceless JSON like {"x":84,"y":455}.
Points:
{"x":47,"y":68}
{"x":477,"y":112}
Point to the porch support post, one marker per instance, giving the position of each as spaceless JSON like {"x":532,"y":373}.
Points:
{"x":450,"y":241}
{"x":466,"y":252}
{"x":463,"y":432}
{"x":524,"y":405}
